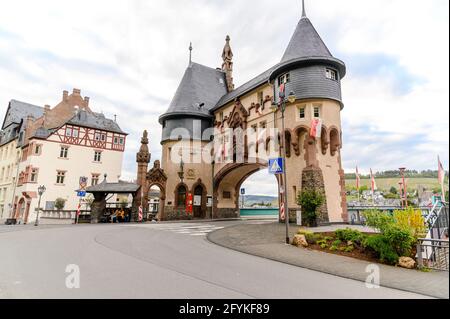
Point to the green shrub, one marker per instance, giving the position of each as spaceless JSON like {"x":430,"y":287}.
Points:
{"x":328,"y":238}
{"x":310,"y":200}
{"x":337,"y":242}
{"x":313,"y":238}
{"x":399,"y":235}
{"x":334,"y":248}
{"x":349,"y":249}
{"x":352,"y":235}
{"x":60,"y":203}
{"x":382,"y":248}
{"x":321,"y":242}
{"x":323,"y":246}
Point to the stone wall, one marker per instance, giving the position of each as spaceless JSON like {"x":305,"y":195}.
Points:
{"x":312,"y":178}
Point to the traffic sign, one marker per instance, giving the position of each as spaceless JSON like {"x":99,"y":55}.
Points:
{"x":83,"y":182}
{"x":276,"y":166}
{"x":81,"y":193}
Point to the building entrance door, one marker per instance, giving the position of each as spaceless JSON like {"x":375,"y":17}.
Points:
{"x":199,"y":202}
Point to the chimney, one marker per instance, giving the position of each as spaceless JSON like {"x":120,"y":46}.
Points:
{"x":86,"y":101}
{"x":76,"y":91}
{"x":46,"y":111}
{"x":65,"y":95}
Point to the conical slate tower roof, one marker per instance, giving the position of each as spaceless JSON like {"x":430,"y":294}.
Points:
{"x":198,"y":92}
{"x":305,"y":43}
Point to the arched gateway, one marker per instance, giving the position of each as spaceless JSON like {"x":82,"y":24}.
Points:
{"x":214,"y":136}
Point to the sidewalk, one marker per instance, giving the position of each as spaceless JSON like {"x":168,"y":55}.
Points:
{"x":267,"y":240}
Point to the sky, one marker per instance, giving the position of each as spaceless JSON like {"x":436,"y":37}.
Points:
{"x":129,"y":57}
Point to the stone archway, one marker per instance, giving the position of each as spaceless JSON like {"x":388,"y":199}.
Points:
{"x":156,"y":177}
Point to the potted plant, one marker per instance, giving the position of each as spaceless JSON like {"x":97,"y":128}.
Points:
{"x":310,"y":200}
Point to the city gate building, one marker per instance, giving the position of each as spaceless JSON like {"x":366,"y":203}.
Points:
{"x":206,"y":105}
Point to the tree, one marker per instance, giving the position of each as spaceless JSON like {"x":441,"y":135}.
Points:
{"x":393,"y":190}
{"x":310,"y":200}
{"x":60,"y":203}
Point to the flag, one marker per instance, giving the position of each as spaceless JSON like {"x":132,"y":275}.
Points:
{"x":373,"y":183}
{"x":441,"y":172}
{"x":358,"y":179}
{"x":316,"y":128}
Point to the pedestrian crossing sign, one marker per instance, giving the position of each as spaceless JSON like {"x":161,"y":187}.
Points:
{"x":276,"y":166}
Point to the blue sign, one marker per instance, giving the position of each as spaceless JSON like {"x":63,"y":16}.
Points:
{"x":242,"y":191}
{"x":276,"y":166}
{"x":81,"y":194}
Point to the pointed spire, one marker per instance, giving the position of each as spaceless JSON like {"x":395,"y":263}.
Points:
{"x":190,"y":53}
{"x":303,"y":9}
{"x":227,"y":65}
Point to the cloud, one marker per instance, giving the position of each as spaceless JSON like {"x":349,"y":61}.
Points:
{"x":129,"y":57}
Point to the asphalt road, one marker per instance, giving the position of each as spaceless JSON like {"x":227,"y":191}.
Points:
{"x":156,"y":262}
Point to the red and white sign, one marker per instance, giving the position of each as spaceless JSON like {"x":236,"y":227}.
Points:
{"x":79,"y":209}
{"x":316,"y":128}
{"x":141,"y":214}
{"x":283,"y":214}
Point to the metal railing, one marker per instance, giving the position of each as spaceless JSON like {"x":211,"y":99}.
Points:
{"x":433,"y":254}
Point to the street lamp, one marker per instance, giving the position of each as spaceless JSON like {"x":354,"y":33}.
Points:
{"x":181,"y":171}
{"x":41,"y":190}
{"x":282,"y":104}
{"x":405,"y":192}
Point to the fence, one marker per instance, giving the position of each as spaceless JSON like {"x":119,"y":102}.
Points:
{"x":433,"y":254}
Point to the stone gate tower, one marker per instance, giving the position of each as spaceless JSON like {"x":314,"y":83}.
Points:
{"x":207,"y":103}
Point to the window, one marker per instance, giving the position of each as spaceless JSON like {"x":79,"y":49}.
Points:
{"x":60,"y":176}
{"x":97,"y":136}
{"x":100,"y":136}
{"x":181,"y":196}
{"x":37,"y":149}
{"x":49,"y":205}
{"x":116,"y":140}
{"x":68,"y":131}
{"x":226,"y":195}
{"x":94,"y":179}
{"x":261,"y":100}
{"x":97,"y":156}
{"x":316,"y":111}
{"x":63,"y":152}
{"x":34,"y":175}
{"x":121,"y":140}
{"x":302,"y":112}
{"x":75,"y":132}
{"x":284,"y":79}
{"x":331,"y":74}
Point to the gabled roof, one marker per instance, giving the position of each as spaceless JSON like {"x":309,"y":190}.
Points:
{"x":305,"y":43}
{"x":17,"y":111}
{"x":200,"y":84}
{"x":95,"y":120}
{"x":114,"y":188}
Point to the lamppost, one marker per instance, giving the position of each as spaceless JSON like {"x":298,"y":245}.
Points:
{"x":41,"y":190}
{"x":405,"y":192}
{"x":282,"y":105}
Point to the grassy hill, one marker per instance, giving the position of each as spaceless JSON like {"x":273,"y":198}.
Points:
{"x":387,"y":183}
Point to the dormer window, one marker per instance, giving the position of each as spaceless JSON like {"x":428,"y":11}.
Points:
{"x":331,"y":74}
{"x":284,"y":79}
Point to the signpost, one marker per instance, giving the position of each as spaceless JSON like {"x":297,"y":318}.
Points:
{"x":243,"y":197}
{"x":81,"y":193}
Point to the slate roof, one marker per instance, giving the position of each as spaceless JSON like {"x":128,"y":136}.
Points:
{"x":305,"y":43}
{"x":18,"y":110}
{"x":200,"y":84}
{"x":113,"y":188}
{"x":95,"y":120}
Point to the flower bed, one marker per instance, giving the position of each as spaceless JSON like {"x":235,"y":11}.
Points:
{"x":395,"y":244}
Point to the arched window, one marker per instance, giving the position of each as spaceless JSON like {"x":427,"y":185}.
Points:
{"x":181,"y":196}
